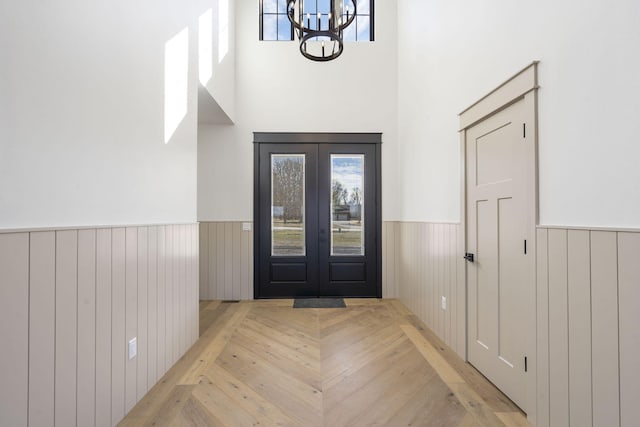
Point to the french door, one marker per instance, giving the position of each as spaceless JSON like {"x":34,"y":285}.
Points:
{"x":317,"y":220}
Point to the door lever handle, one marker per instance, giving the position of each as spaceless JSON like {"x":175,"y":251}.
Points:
{"x":469,"y":257}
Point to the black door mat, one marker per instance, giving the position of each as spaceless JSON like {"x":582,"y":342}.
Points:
{"x":319,"y":303}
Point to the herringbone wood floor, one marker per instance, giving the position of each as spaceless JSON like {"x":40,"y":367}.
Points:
{"x":372,"y":363}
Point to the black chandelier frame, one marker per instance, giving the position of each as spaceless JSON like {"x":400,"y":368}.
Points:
{"x":333,"y":33}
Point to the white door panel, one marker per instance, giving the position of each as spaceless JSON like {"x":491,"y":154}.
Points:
{"x":496,"y":231}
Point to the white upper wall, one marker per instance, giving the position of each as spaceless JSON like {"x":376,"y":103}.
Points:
{"x":218,"y":54}
{"x":278,"y":90}
{"x":82,"y":112}
{"x":452,"y":52}
{"x":82,"y":94}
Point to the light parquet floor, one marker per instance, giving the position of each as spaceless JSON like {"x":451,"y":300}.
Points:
{"x":263,"y":363}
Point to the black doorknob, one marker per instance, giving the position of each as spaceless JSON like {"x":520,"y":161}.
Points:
{"x":468,"y":256}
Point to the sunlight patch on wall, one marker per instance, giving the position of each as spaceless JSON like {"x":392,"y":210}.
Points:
{"x":176,"y":78}
{"x":205,"y":46}
{"x":223,"y":29}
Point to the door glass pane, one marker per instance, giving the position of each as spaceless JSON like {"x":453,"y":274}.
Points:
{"x":287,"y":205}
{"x":347,"y":204}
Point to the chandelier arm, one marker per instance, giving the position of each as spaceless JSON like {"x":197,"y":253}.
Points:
{"x":312,"y":57}
{"x":351,"y":18}
{"x":300,"y":26}
{"x":291,"y":10}
{"x":333,"y":34}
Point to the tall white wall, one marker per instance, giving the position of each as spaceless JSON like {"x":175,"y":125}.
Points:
{"x":221,"y":54}
{"x":452,"y":52}
{"x":279,"y":90}
{"x":82,"y":93}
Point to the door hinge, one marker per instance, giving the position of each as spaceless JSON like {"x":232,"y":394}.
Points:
{"x":525,"y":364}
{"x":525,"y":247}
{"x":524,"y":130}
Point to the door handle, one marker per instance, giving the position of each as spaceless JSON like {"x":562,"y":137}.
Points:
{"x":469,"y":257}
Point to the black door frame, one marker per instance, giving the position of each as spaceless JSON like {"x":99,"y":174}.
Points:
{"x":316,"y":138}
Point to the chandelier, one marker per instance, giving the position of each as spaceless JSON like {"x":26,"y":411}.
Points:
{"x":320,"y":35}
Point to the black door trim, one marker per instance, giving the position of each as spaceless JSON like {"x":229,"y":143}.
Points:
{"x":318,"y":138}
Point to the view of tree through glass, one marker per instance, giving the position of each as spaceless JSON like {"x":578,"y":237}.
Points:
{"x":347,"y":204}
{"x":287,"y":205}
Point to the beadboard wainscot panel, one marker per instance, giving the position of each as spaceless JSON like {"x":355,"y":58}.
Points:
{"x":587,"y":305}
{"x":427,"y":267}
{"x":389,"y":259}
{"x":70,"y":299}
{"x":163,"y":360}
{"x":629,"y":297}
{"x":142,"y":312}
{"x":118,"y":334}
{"x":203,"y":278}
{"x":131,"y":315}
{"x":605,"y":328}
{"x":66,"y":327}
{"x":152,"y":307}
{"x":226,"y":263}
{"x":542,"y":328}
{"x":103,"y":328}
{"x":86,"y":364}
{"x":42,"y":288}
{"x":579,"y":333}
{"x":14,"y":328}
{"x":559,"y":332}
{"x":588,"y":339}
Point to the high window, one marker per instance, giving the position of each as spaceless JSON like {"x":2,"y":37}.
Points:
{"x":275,"y":25}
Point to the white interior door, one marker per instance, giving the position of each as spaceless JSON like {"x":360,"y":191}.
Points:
{"x":498,"y":278}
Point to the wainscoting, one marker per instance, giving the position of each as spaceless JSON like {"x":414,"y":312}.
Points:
{"x":588,"y":300}
{"x":423,"y":264}
{"x":390,"y":249}
{"x":71,"y":299}
{"x":226,"y":266}
{"x":588,"y":334}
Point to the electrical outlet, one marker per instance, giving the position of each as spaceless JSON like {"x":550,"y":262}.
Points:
{"x":246,"y":226}
{"x":444,"y":303}
{"x":133,"y":348}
